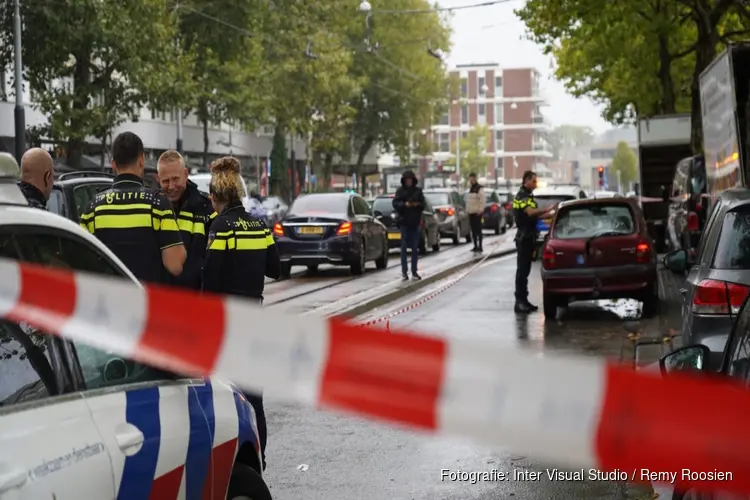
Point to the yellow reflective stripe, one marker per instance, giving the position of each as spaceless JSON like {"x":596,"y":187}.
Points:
{"x":213,"y":215}
{"x":87,"y":216}
{"x":225,"y":234}
{"x":269,"y":240}
{"x":520,"y":204}
{"x":168,"y":224}
{"x":123,"y":221}
{"x":532,"y":203}
{"x":88,"y":226}
{"x":128,"y":206}
{"x":162,"y":213}
{"x":218,"y":245}
{"x":251,"y":243}
{"x":199,"y":228}
{"x":187,"y":215}
{"x":260,"y":233}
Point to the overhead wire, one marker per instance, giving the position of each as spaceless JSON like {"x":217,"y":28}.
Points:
{"x":442,"y":9}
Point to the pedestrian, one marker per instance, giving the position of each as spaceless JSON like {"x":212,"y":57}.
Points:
{"x":133,"y":221}
{"x":408,"y":203}
{"x":475,"y":202}
{"x":194,"y":215}
{"x":241,"y":254}
{"x":526,"y":213}
{"x":37,"y":177}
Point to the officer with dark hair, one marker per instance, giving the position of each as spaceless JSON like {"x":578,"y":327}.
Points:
{"x":136,"y":223}
{"x":526,"y":212}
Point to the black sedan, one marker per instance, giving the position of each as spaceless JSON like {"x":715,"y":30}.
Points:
{"x":495,"y":215}
{"x":330,"y":228}
{"x":382,"y":208}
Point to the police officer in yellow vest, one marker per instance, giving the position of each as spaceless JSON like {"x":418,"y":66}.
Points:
{"x":526,"y":212}
{"x":194,"y":215}
{"x":241,"y":253}
{"x":137,"y":224}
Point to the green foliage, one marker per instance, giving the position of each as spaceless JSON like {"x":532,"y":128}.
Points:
{"x":279,"y":162}
{"x":569,"y":137}
{"x":625,"y":163}
{"x":472,"y":152}
{"x":115,"y":57}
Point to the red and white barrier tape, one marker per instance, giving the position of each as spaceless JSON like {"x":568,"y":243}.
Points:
{"x":388,"y":317}
{"x":575,"y":411}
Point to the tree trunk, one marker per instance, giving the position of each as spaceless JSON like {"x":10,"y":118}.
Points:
{"x":361,"y":153}
{"x":279,"y":162}
{"x":327,"y":172}
{"x":668,"y":104}
{"x":81,"y":81}
{"x":705,"y":51}
{"x":205,"y":142}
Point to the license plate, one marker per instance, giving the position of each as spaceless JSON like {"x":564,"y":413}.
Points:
{"x":311,"y":230}
{"x":394,"y":236}
{"x":580,"y":259}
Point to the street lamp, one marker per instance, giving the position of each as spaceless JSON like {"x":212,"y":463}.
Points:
{"x":365,"y":6}
{"x":19,"y":113}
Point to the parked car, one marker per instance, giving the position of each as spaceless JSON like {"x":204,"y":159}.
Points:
{"x":552,"y":195}
{"x":733,"y":362}
{"x":382,"y":208}
{"x":605,"y":194}
{"x":599,"y":249}
{"x":687,"y":208}
{"x":203,"y":180}
{"x":275,"y":209}
{"x":330,"y":228}
{"x":495,"y":213}
{"x":73,"y":191}
{"x":451,"y":212}
{"x":719,"y":281}
{"x":506,"y":198}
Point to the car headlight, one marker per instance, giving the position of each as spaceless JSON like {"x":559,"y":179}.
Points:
{"x":269,"y":213}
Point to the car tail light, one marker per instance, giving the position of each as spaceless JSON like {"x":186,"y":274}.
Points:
{"x":344,"y":229}
{"x":494,"y":208}
{"x":278,"y":229}
{"x":715,"y":297}
{"x":507,"y":206}
{"x":692,"y":221}
{"x":698,"y":207}
{"x":549,"y":258}
{"x":450,"y":212}
{"x":643,"y":251}
{"x":421,"y":222}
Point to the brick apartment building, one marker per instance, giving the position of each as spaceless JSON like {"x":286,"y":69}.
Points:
{"x":509,"y":103}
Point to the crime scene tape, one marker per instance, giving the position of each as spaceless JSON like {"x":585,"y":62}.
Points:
{"x":388,"y":317}
{"x":576,"y":411}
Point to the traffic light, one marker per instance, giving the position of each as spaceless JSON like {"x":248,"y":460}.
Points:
{"x":601,"y":176}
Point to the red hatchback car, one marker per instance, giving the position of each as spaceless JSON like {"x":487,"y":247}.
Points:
{"x":599,"y":249}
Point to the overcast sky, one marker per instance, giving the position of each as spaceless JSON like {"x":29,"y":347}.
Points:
{"x":495,"y":34}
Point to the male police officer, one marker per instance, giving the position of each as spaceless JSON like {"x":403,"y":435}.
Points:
{"x":194,"y":215}
{"x":526,"y":213}
{"x":137,"y":224}
{"x":36,"y":181}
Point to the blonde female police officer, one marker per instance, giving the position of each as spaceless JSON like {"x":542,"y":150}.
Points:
{"x":240,"y":254}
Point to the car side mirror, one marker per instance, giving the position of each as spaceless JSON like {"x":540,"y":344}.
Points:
{"x":676,"y":261}
{"x":689,"y":358}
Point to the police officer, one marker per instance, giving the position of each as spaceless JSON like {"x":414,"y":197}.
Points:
{"x":137,"y":224}
{"x":37,"y":168}
{"x":526,"y":213}
{"x":241,"y":253}
{"x":194,"y":215}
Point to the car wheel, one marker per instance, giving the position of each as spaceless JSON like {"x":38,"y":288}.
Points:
{"x":382,"y":261}
{"x":650,"y":307}
{"x":247,"y":483}
{"x":423,"y":243}
{"x":436,"y":246}
{"x":503,"y":228}
{"x":468,"y":236}
{"x":497,"y":227}
{"x":549,"y":306}
{"x":286,"y":270}
{"x":312,"y":268}
{"x":358,"y":267}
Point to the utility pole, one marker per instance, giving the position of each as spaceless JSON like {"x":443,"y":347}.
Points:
{"x":19,"y":113}
{"x":179,"y":131}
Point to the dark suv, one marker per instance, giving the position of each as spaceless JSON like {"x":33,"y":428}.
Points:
{"x":73,"y":191}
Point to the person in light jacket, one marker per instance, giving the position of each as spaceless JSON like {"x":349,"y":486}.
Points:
{"x":475,"y":202}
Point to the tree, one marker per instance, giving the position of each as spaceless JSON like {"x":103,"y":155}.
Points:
{"x":625,"y":164}
{"x":472,"y":151}
{"x":91,"y":65}
{"x":567,"y":137}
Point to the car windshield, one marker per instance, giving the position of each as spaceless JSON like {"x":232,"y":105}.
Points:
{"x":383,"y":205}
{"x":587,"y":221}
{"x":320,"y":203}
{"x":548,"y":200}
{"x":438,"y":199}
{"x":733,"y":248}
{"x":202,"y":183}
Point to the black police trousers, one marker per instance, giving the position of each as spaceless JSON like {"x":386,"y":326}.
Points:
{"x":475,"y":222}
{"x":524,"y":257}
{"x":256,"y":400}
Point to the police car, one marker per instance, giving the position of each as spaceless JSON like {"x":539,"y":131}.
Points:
{"x":80,"y":423}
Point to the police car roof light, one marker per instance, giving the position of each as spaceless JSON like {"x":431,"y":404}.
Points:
{"x":9,"y":171}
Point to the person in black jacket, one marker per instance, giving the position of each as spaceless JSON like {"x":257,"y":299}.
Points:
{"x":194,"y":215}
{"x":408,"y":203}
{"x":36,"y":181}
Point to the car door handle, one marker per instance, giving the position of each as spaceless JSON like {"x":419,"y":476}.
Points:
{"x":12,"y":477}
{"x":129,"y":438}
{"x":683,"y":292}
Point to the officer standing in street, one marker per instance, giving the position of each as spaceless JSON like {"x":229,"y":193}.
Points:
{"x":475,"y":202}
{"x":37,"y":172}
{"x":241,"y":253}
{"x":526,"y":213}
{"x":137,"y":224}
{"x":194,"y":215}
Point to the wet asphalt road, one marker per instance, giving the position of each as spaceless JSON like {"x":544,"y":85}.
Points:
{"x":318,"y":455}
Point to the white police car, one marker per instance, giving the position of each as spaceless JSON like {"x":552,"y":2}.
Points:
{"x":79,"y":423}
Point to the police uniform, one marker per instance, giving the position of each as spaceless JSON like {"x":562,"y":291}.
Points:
{"x":33,"y":195}
{"x":136,"y":224}
{"x":241,"y":253}
{"x":194,"y":216}
{"x":526,"y":236}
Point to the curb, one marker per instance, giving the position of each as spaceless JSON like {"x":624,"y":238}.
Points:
{"x":413,"y":286}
